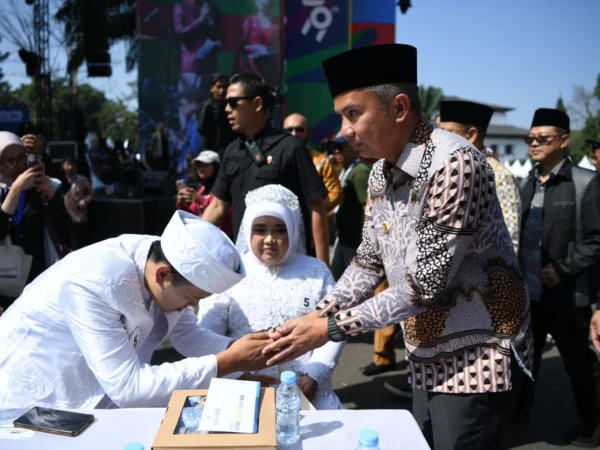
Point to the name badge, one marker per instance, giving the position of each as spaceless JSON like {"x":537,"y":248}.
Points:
{"x":305,"y":305}
{"x":134,"y":337}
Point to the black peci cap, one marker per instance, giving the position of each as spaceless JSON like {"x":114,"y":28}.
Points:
{"x":552,"y":118}
{"x":371,"y":66}
{"x":466,"y":113}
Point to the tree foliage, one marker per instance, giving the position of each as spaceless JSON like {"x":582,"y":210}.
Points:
{"x":102,"y":116}
{"x":430,"y":98}
{"x":560,"y":104}
{"x":120,"y":27}
{"x":585,"y":109}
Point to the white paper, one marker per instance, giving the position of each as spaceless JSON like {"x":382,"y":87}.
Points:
{"x":10,"y":432}
{"x":231,"y":406}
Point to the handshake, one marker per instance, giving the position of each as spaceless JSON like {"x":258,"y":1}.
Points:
{"x":256,"y":351}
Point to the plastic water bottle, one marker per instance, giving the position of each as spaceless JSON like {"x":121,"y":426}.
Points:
{"x":288,"y":409}
{"x":368,"y":439}
{"x":134,"y":446}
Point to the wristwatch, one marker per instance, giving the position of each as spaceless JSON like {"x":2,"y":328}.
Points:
{"x":335,"y":333}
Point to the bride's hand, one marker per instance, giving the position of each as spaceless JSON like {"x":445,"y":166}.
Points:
{"x":308,"y":386}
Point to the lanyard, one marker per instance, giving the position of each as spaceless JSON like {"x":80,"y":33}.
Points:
{"x":347,"y":171}
{"x":20,"y":208}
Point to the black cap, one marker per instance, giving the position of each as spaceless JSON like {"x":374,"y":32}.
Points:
{"x":371,"y":66}
{"x":546,"y":117}
{"x":594,"y":144}
{"x":463,"y":112}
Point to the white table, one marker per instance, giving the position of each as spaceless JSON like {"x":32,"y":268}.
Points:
{"x":326,"y":430}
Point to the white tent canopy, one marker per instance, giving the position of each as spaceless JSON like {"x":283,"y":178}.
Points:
{"x":518,"y":170}
{"x":522,"y":170}
{"x":586,"y":163}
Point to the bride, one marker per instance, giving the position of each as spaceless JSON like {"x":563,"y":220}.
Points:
{"x":281,"y":283}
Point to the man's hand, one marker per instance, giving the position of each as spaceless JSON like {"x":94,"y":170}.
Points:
{"x":33,"y":143}
{"x":265,"y":380}
{"x":216,"y":211}
{"x":297,"y":337}
{"x":595,"y":330}
{"x":244,"y":355}
{"x":308,"y":386}
{"x":549,"y":276}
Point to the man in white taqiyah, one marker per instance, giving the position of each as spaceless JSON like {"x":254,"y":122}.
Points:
{"x":82,"y":334}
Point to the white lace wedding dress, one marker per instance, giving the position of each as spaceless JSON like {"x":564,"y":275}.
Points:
{"x":269,"y":296}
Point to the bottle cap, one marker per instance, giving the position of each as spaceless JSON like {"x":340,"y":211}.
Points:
{"x":134,"y":446}
{"x":288,"y":377}
{"x":368,"y":438}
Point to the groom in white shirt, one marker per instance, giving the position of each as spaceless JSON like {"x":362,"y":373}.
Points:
{"x":82,"y":334}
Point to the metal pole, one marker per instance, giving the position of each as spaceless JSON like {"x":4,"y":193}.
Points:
{"x":43,"y":85}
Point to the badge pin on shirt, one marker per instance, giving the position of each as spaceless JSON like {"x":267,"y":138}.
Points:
{"x":385,"y":226}
{"x":269,"y":159}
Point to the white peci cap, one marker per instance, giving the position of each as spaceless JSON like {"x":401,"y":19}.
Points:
{"x":202,"y":253}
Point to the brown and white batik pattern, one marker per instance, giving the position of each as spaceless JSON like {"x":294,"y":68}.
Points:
{"x":509,"y":197}
{"x":434,"y":228}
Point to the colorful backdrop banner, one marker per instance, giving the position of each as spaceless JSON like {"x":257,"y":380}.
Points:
{"x":183,"y":43}
{"x":315,"y":30}
{"x":373,"y":23}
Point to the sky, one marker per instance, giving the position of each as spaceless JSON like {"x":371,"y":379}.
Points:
{"x":14,"y":70}
{"x":517,"y":53}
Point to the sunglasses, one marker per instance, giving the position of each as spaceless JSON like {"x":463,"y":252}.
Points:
{"x":233,"y":101}
{"x":542,"y":140}
{"x":13,"y":162}
{"x":295,"y":129}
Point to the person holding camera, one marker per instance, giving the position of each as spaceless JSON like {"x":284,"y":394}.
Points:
{"x":195,"y":196}
{"x":29,"y":207}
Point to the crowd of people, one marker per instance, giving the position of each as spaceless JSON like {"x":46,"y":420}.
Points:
{"x":429,"y":232}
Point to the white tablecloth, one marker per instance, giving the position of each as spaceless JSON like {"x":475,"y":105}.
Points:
{"x":326,"y":430}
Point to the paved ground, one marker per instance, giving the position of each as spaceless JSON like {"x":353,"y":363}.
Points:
{"x":553,"y":417}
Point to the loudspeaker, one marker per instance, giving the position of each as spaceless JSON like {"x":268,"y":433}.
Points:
{"x":71,"y":125}
{"x":59,"y":150}
{"x":95,"y":40}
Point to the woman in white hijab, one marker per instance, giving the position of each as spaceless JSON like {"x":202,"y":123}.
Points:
{"x":28,"y":204}
{"x":281,"y":283}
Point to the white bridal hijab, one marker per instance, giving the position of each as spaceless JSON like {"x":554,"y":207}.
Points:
{"x":276,"y":201}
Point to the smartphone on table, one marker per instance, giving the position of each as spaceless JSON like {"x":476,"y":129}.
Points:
{"x":54,"y":421}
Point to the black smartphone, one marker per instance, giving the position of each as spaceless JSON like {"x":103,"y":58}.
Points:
{"x":64,"y":423}
{"x":33,"y":159}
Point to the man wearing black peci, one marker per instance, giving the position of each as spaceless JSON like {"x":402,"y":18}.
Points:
{"x":560,"y":256}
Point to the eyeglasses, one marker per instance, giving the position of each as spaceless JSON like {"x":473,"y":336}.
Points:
{"x":233,"y":101}
{"x":13,"y":162}
{"x":295,"y":129}
{"x":542,"y":140}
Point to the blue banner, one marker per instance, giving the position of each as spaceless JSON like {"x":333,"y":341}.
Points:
{"x":315,"y":30}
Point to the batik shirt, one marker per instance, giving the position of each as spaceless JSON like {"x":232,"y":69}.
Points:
{"x":434,"y":228}
{"x":507,"y":190}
